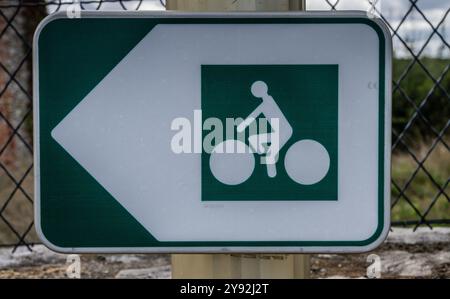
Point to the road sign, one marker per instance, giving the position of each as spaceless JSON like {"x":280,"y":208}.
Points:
{"x":165,"y":132}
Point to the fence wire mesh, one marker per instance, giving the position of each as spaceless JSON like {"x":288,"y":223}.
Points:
{"x":421,"y":107}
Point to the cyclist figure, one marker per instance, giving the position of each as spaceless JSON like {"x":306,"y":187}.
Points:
{"x":281,"y":129}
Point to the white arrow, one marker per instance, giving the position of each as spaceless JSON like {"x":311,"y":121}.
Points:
{"x":120,"y":133}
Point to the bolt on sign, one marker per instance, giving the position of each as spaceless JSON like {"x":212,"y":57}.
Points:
{"x":167,"y":132}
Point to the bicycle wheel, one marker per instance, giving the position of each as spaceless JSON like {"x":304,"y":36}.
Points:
{"x":307,"y":162}
{"x":232,"y":162}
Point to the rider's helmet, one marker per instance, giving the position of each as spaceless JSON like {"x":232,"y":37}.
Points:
{"x":260,"y":89}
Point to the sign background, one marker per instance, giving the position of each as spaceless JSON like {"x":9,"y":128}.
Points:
{"x":308,"y":97}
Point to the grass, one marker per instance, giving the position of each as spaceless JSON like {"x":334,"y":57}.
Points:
{"x":421,"y":190}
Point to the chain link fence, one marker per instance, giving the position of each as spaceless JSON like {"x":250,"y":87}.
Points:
{"x":421,"y":108}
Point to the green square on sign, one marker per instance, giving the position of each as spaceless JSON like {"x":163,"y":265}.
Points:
{"x":307,"y":98}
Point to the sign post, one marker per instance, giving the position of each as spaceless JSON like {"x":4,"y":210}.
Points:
{"x":239,"y":265}
{"x":228,"y":133}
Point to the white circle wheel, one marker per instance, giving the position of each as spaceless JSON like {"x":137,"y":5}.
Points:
{"x":307,"y":162}
{"x":232,"y":167}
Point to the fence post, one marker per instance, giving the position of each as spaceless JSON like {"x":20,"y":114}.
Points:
{"x":239,"y":265}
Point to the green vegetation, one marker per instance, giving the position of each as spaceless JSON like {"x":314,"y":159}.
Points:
{"x":417,"y":85}
{"x":421,"y":190}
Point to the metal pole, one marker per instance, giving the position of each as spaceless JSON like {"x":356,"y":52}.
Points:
{"x":239,"y":265}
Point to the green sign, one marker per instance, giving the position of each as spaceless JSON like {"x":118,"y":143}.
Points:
{"x":162,"y":132}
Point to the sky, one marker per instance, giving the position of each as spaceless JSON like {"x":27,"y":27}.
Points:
{"x":414,"y":31}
